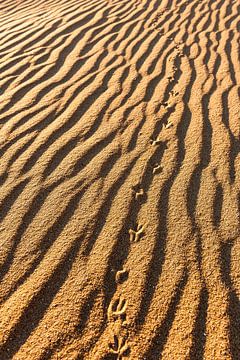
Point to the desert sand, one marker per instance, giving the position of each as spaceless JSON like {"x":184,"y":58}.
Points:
{"x":120,"y":179}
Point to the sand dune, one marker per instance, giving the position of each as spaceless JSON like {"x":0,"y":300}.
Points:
{"x":120,"y":179}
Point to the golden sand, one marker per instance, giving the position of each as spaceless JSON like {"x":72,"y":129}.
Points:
{"x":120,"y":180}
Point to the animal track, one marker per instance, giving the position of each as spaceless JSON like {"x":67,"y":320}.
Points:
{"x":121,"y":276}
{"x":139,"y":194}
{"x":117,"y":308}
{"x":157,"y":141}
{"x":119,"y":347}
{"x":138,"y":191}
{"x":157,"y":169}
{"x":156,"y":18}
{"x":136,"y":235}
{"x":168,"y":125}
{"x":174,"y":93}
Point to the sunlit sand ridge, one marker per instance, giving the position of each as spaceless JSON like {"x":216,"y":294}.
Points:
{"x":120,"y":180}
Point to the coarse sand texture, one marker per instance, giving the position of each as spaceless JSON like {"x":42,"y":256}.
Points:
{"x":119,"y":180}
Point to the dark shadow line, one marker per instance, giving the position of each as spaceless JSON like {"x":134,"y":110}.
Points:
{"x":199,"y":332}
{"x":59,"y":156}
{"x":10,"y":199}
{"x":217,"y":205}
{"x":106,"y":205}
{"x":47,"y":241}
{"x":155,"y":350}
{"x":92,"y":152}
{"x":77,"y":115}
{"x":234,"y":301}
{"x":39,"y":304}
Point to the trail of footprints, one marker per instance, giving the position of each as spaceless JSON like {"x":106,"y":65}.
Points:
{"x":117,"y":310}
{"x":118,"y":25}
{"x":117,"y":313}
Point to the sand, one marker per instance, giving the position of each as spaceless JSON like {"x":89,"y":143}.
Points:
{"x":120,"y":179}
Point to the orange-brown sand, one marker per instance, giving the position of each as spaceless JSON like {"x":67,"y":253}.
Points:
{"x":120,"y":179}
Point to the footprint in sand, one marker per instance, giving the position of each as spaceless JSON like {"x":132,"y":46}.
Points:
{"x":138,"y":192}
{"x":121,"y":276}
{"x":174,"y":93}
{"x":119,"y":347}
{"x":135,"y":235}
{"x":157,"y":141}
{"x":157,"y":169}
{"x":168,"y":125}
{"x":117,"y":309}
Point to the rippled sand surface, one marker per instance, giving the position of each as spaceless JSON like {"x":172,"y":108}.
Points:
{"x":120,"y":180}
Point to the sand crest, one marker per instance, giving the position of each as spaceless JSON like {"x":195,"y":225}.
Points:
{"x":120,"y":180}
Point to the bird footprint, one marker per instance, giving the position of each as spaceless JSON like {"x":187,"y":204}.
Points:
{"x":157,"y":141}
{"x":137,"y":191}
{"x":117,"y":308}
{"x":139,"y":194}
{"x":119,"y":347}
{"x":157,"y":169}
{"x":168,"y":125}
{"x":136,"y":235}
{"x":121,"y":276}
